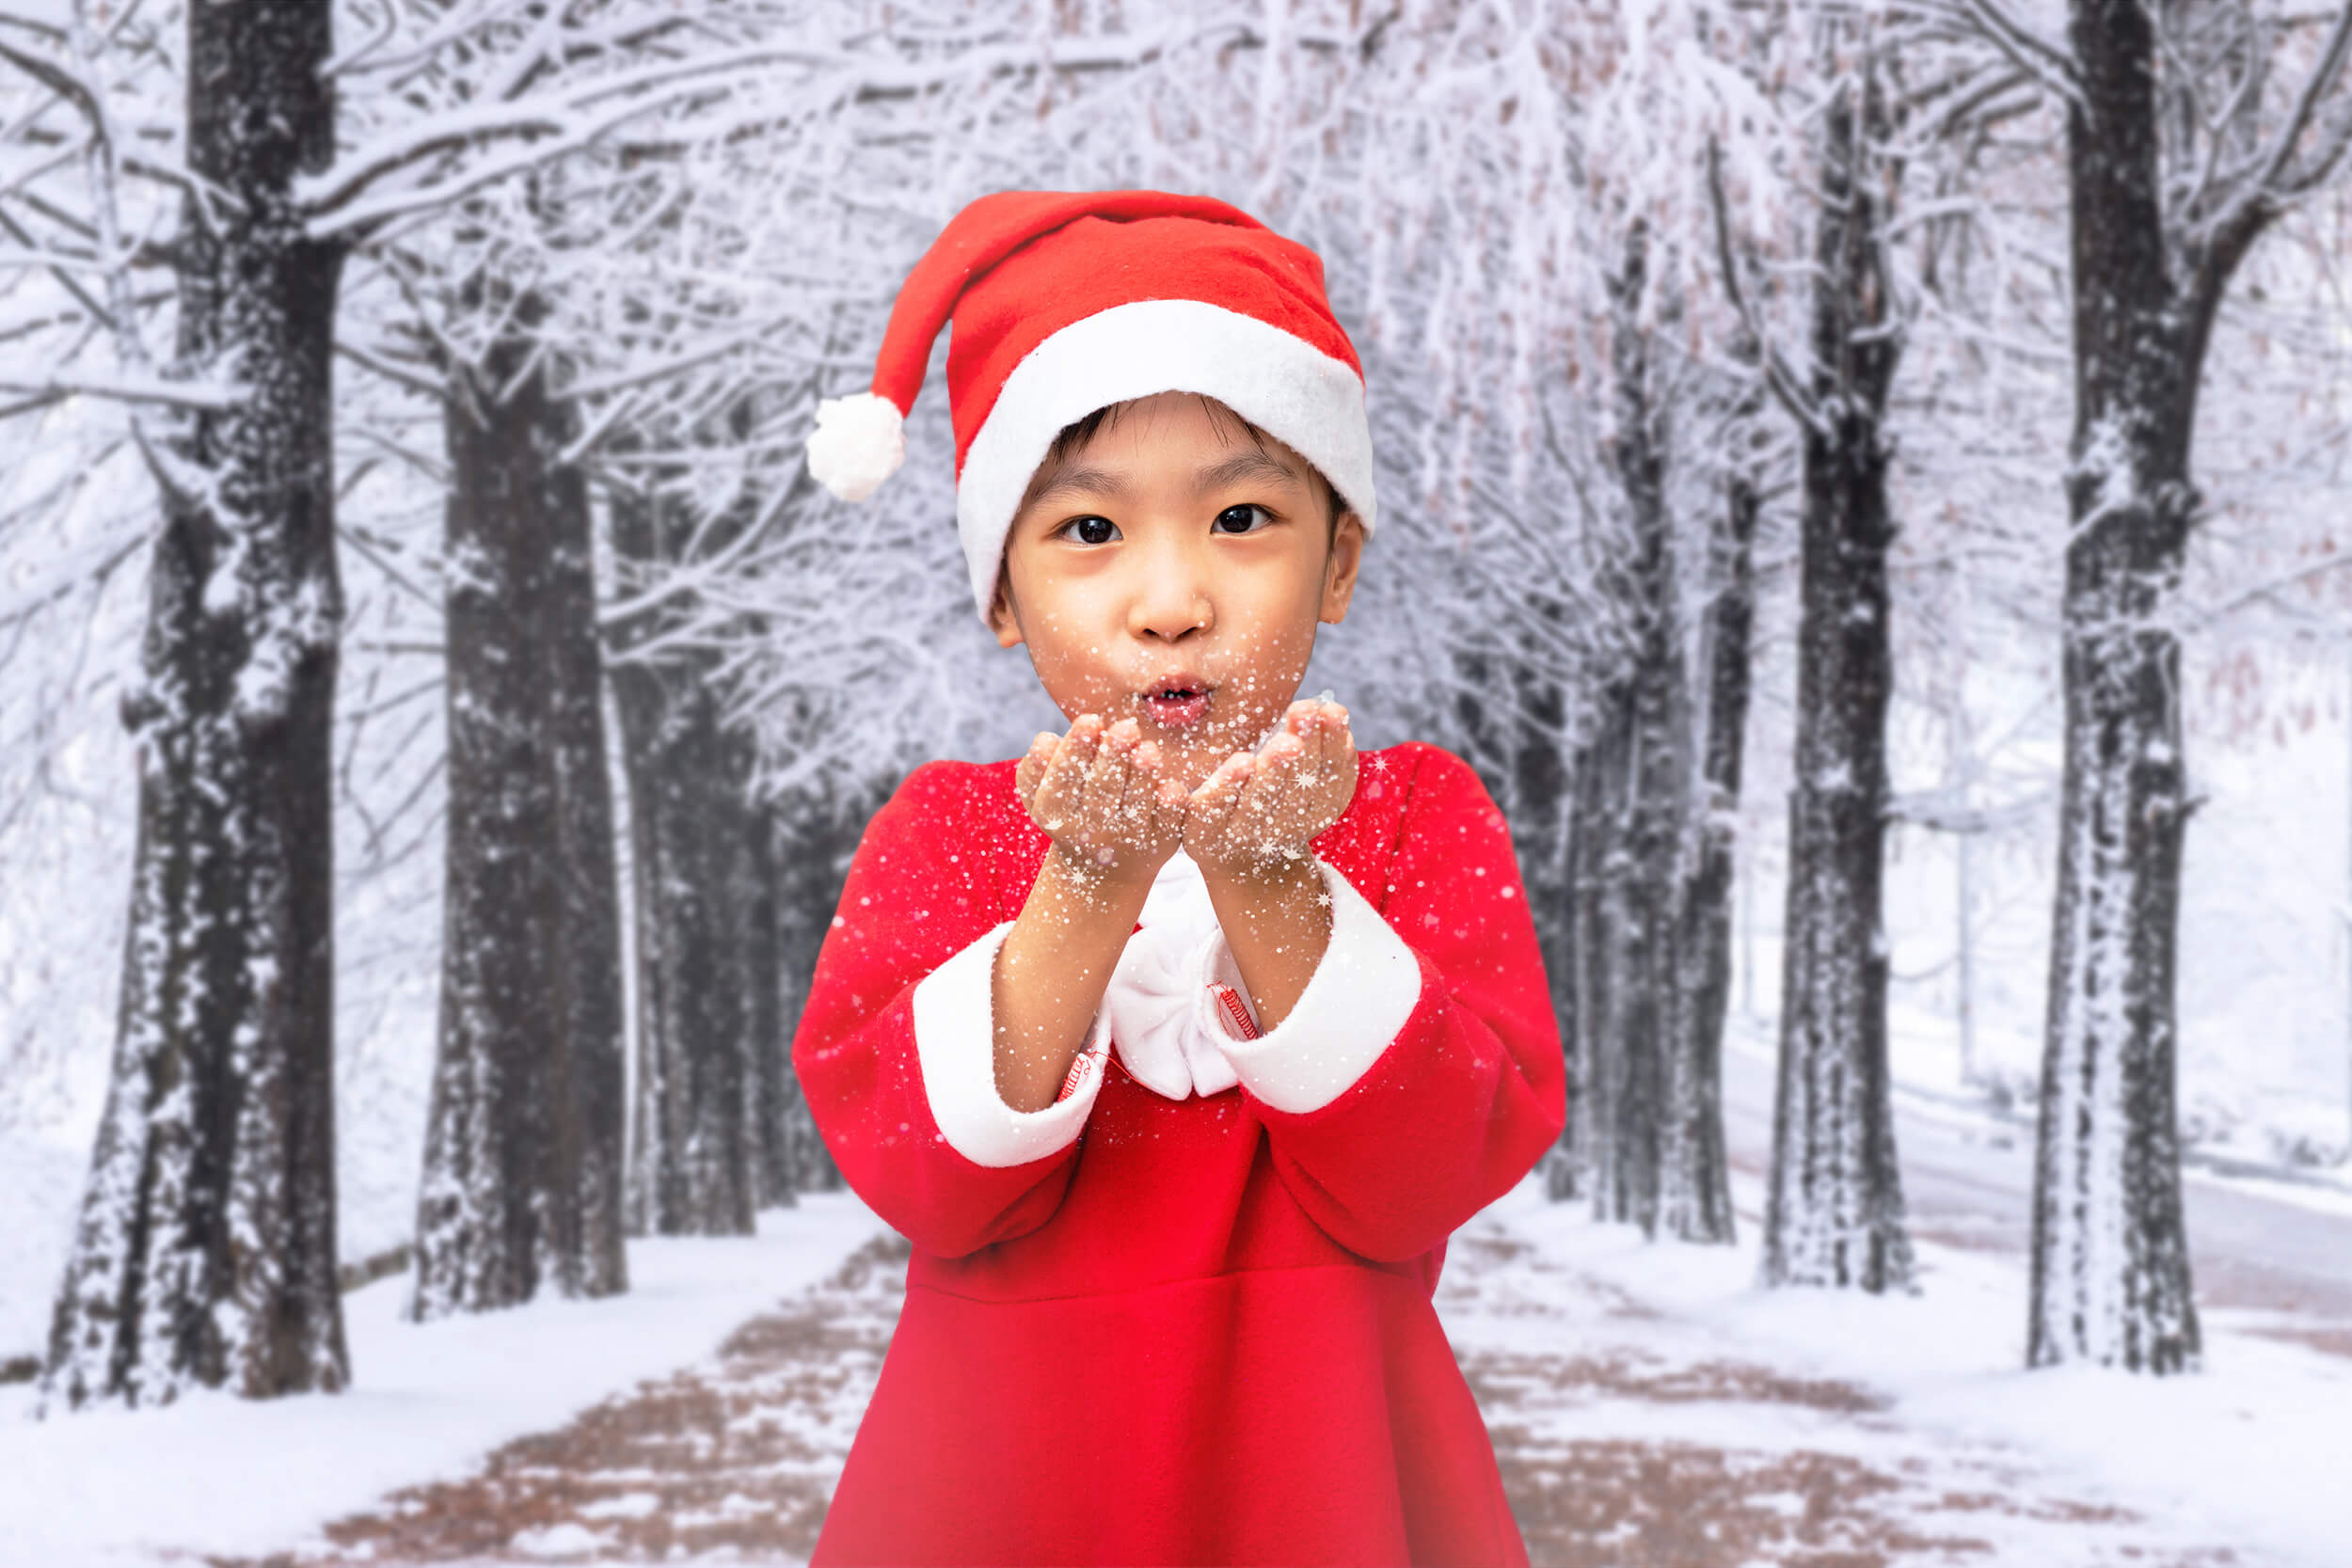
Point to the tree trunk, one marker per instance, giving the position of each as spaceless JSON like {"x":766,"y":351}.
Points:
{"x":1517,"y":756}
{"x":1628,"y":944}
{"x":523,"y":1147}
{"x":1594,"y":829}
{"x":1643,"y":787}
{"x":2110,"y":1255}
{"x":1539,"y":811}
{"x":589,"y":959}
{"x":815,"y":839}
{"x":689,"y":782}
{"x":1696,"y":1203}
{"x":204,"y":1252}
{"x":773,"y":1090}
{"x":1569,"y":1167}
{"x":1834,"y":1210}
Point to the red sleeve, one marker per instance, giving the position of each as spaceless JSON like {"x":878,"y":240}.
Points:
{"x":1470,"y":1088}
{"x":915,"y":1123}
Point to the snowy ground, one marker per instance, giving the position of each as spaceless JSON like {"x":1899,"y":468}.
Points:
{"x":1650,"y":1408}
{"x":40,"y":1187}
{"x":217,"y":1476}
{"x":1930,"y":1444}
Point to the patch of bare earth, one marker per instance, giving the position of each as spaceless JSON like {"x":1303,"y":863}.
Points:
{"x":736,"y":1457}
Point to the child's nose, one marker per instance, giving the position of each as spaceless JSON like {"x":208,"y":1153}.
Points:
{"x":1171,"y":606}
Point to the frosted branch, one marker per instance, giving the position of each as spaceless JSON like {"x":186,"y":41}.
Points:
{"x":1777,"y":375}
{"x":127,"y":388}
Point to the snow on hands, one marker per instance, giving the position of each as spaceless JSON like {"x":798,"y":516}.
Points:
{"x":1099,"y":792}
{"x":1260,"y":811}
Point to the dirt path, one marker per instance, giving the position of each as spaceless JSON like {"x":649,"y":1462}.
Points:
{"x":733,"y":1459}
{"x":1617,"y":1449}
{"x":1638,"y":1449}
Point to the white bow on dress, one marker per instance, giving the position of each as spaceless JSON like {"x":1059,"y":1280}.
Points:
{"x":1162,"y":1021}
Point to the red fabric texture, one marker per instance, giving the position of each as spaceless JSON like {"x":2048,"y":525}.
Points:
{"x":1201,"y":1334}
{"x":1016,"y":267}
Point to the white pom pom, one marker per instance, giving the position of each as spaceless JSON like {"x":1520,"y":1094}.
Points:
{"x":859,"y":441}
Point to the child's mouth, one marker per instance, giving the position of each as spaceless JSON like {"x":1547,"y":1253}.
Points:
{"x":1177,"y":707}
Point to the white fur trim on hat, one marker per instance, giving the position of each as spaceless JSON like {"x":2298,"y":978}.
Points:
{"x":859,"y":441}
{"x":1279,"y":382}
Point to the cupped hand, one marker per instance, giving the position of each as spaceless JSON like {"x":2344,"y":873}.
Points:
{"x":1099,"y":795}
{"x":1260,"y":812}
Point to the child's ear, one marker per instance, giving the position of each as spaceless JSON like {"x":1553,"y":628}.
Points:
{"x":1001,"y":619}
{"x":1339,"y":574}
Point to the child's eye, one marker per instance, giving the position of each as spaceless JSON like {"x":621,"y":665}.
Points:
{"x":1242,"y":519}
{"x":1092,"y":530}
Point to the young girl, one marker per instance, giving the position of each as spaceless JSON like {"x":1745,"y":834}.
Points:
{"x":1179,"y":1047}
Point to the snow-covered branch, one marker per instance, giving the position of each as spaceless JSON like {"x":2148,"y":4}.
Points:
{"x":126,"y":388}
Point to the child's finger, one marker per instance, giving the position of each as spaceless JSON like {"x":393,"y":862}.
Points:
{"x":1206,"y":810}
{"x":1106,"y":784}
{"x":1258,"y":814}
{"x":1061,"y":791}
{"x":1031,"y":772}
{"x":1156,"y":801}
{"x":1314,"y":739}
{"x":1341,"y":763}
{"x":1148,"y":797}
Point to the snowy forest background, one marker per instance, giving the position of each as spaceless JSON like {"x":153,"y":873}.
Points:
{"x":401,"y":407}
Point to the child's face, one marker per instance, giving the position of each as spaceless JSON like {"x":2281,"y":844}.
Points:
{"x":1170,"y":549}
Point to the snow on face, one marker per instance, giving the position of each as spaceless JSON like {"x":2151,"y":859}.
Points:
{"x":1173,"y":544}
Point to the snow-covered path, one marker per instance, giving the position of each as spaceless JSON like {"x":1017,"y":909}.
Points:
{"x":1649,"y":1408}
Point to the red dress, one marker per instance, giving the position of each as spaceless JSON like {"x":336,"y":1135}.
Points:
{"x":1145,"y":1330}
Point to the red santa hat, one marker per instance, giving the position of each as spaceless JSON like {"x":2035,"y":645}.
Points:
{"x":1065,"y":301}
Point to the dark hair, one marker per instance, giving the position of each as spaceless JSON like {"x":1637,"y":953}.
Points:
{"x":1073,"y":438}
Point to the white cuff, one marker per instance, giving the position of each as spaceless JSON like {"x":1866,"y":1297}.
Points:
{"x":1354,"y":1003}
{"x":955,"y":1043}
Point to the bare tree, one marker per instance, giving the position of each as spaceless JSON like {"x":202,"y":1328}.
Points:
{"x":205,"y":1250}
{"x":1694,"y":1167}
{"x":2184,"y":142}
{"x":1834,"y":1213}
{"x":521,"y":1186}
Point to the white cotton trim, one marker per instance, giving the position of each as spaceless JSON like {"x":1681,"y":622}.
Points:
{"x":955,"y":1043}
{"x":1279,"y":382}
{"x":1354,"y":1003}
